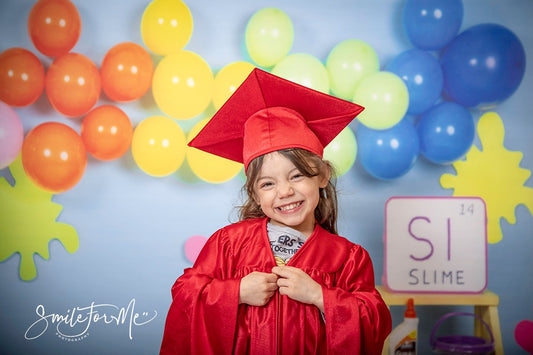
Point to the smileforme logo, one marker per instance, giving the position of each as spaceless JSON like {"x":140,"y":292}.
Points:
{"x":75,"y":323}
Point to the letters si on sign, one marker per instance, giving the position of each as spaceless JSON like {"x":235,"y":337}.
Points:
{"x":435,"y":244}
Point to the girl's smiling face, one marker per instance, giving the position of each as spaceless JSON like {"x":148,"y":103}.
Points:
{"x":287,"y":196}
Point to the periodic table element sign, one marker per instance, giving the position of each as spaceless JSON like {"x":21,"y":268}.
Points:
{"x":435,"y":244}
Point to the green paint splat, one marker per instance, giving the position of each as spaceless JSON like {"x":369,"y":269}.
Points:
{"x":28,"y":222}
{"x":493,"y":174}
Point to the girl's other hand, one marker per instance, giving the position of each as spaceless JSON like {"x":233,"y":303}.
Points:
{"x":299,"y":286}
{"x":257,"y":287}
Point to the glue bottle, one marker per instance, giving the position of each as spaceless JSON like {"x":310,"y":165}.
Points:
{"x":403,"y":338}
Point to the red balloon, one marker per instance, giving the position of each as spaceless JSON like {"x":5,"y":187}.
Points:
{"x":106,"y":132}
{"x":126,"y":72}
{"x":54,"y":157}
{"x":54,"y":26}
{"x":73,"y":84}
{"x":21,"y":77}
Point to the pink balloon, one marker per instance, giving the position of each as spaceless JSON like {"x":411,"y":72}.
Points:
{"x":11,"y":135}
{"x":524,"y":335}
{"x":193,"y":246}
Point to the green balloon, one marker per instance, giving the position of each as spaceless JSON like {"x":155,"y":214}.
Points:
{"x":269,"y":36}
{"x":348,"y":63}
{"x":341,"y":151}
{"x":385,"y":98}
{"x":304,"y":69}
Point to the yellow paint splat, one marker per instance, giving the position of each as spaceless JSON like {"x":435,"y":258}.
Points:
{"x":492,"y":174}
{"x":28,"y":222}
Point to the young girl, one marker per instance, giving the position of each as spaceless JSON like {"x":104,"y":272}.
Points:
{"x":280,"y":281}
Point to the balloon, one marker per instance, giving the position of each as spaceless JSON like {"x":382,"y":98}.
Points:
{"x":483,"y":66}
{"x":432,"y":24}
{"x":21,"y":77}
{"x":106,"y":132}
{"x":269,"y":36}
{"x":210,"y":167}
{"x":446,"y":132}
{"x":54,"y":157}
{"x":388,"y":154}
{"x":523,"y":335}
{"x":73,"y":84}
{"x":158,"y":146}
{"x":182,"y":85}
{"x":228,"y":79}
{"x":303,"y":69}
{"x":385,"y":98}
{"x":422,"y":74}
{"x":126,"y":72}
{"x":193,"y":246}
{"x":11,"y":135}
{"x":166,"y":26}
{"x":348,"y":63}
{"x":341,"y":151}
{"x":54,"y":26}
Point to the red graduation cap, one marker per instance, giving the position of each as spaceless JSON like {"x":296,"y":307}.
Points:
{"x":268,"y":113}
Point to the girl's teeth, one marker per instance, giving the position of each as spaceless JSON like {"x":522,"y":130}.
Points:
{"x":289,"y":207}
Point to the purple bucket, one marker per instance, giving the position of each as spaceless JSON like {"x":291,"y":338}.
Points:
{"x":461,"y":344}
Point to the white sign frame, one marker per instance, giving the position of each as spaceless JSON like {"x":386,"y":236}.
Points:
{"x":435,"y":245}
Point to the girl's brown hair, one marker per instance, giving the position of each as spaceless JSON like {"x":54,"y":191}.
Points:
{"x":308,"y":164}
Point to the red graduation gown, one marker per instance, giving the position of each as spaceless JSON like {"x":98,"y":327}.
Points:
{"x":205,"y":317}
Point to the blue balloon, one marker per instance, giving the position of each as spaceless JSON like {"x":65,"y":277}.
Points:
{"x":432,"y":24}
{"x":390,"y":153}
{"x":446,"y":132}
{"x":422,"y":74}
{"x":483,"y":66}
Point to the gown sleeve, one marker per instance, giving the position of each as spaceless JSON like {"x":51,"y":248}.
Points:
{"x":356,"y":316}
{"x":203,"y":313}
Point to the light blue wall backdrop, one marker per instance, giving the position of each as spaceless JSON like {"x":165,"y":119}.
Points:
{"x":132,"y":227}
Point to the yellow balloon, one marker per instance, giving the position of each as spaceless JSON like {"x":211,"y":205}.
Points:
{"x":166,"y":26}
{"x":182,"y":85}
{"x":158,"y":146}
{"x":348,"y":63}
{"x":385,"y":98}
{"x":303,"y":69}
{"x":228,"y":80}
{"x":269,"y":36}
{"x":209,"y":167}
{"x":342,"y":151}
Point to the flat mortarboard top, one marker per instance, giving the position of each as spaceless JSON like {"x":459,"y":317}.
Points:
{"x":268,"y":113}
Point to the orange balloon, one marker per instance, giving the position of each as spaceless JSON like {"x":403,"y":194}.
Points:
{"x":54,"y":157}
{"x":54,"y":26}
{"x":126,"y":72}
{"x":106,"y":132}
{"x":21,"y":77}
{"x":72,"y":84}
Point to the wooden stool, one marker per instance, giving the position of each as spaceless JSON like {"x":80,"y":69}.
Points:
{"x":485,"y":306}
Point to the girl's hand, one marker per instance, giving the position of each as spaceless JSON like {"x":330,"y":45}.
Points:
{"x":256,"y":288}
{"x":299,"y":286}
